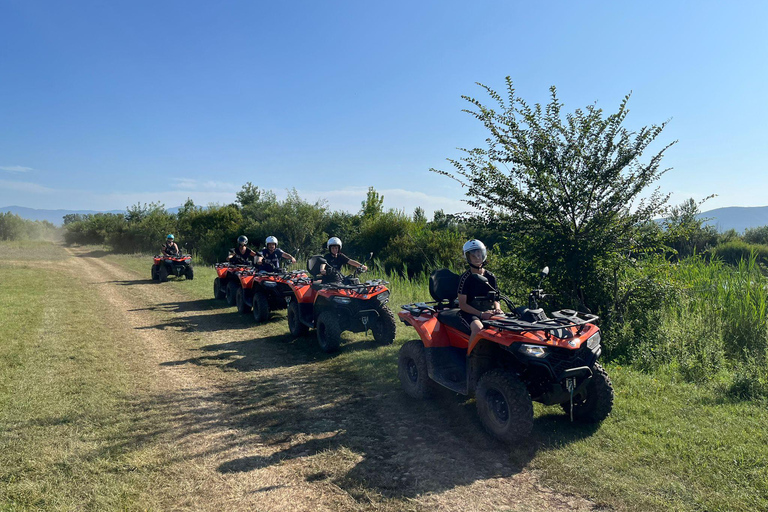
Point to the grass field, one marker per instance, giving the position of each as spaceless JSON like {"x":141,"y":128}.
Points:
{"x":66,"y":395}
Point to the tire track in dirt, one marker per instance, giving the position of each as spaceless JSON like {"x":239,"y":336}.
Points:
{"x":259,"y":422}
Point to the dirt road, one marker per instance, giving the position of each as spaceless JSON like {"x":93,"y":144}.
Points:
{"x":256,"y":420}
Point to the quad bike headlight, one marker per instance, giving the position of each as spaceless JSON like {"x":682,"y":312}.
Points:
{"x":534,"y":350}
{"x":342,"y":300}
{"x":270,"y":284}
{"x":594,"y":341}
{"x":383,"y":296}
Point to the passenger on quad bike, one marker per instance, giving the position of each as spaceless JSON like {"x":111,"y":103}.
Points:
{"x":472,"y":293}
{"x":337,"y":259}
{"x":170,"y":248}
{"x":271,"y":256}
{"x":242,"y":255}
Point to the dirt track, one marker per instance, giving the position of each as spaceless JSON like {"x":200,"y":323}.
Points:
{"x":257,"y":421}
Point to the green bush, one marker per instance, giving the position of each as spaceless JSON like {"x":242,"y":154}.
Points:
{"x":737,"y":250}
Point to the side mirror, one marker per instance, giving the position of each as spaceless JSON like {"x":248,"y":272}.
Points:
{"x":545,"y":272}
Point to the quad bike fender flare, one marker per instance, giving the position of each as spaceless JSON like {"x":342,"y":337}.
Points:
{"x":431,"y":332}
{"x":304,"y":294}
{"x":246,"y":282}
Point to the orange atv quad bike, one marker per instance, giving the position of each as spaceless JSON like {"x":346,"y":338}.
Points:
{"x":227,"y":281}
{"x":263,"y":292}
{"x":176,"y":265}
{"x":334,"y":303}
{"x":517,"y":358}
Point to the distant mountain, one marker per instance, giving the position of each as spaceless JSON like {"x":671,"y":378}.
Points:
{"x":56,"y":217}
{"x":53,"y":216}
{"x":736,"y":217}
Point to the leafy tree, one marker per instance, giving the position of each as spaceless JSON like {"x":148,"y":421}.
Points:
{"x":568,"y":185}
{"x":686,"y":232}
{"x":373,"y":206}
{"x":757,"y":235}
{"x":419,"y":217}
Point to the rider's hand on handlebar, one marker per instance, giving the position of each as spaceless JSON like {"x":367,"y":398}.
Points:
{"x":363,"y":268}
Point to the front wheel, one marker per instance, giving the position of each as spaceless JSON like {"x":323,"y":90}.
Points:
{"x":295,"y":325}
{"x":504,"y":406}
{"x":412,"y":370}
{"x":189,"y":273}
{"x":242,"y":306}
{"x":260,"y":307}
{"x":328,"y":331}
{"x":598,"y":403}
{"x":162,"y":273}
{"x":219,"y":292}
{"x":154,"y":272}
{"x":385,"y":327}
{"x":232,"y":293}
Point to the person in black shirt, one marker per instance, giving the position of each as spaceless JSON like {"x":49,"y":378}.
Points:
{"x":170,"y":248}
{"x":271,"y":256}
{"x":472,"y":292}
{"x":242,"y":255}
{"x":337,"y":259}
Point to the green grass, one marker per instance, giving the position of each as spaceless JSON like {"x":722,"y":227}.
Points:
{"x":65,"y":396}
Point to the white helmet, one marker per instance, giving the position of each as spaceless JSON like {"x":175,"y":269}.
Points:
{"x":334,"y":240}
{"x":474,"y":245}
{"x":271,"y":240}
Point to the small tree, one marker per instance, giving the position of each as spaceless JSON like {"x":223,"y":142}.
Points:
{"x":373,"y":205}
{"x":567,"y":187}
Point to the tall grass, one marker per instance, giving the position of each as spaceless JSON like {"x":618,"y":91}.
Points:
{"x":717,"y":329}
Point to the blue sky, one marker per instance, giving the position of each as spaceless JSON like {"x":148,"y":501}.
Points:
{"x":105,"y":104}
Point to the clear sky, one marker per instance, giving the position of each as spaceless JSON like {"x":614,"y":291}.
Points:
{"x":105,"y":104}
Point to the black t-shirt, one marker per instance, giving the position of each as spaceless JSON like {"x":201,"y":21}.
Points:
{"x":245,"y":258}
{"x":170,"y":250}
{"x":337,"y":261}
{"x":271,"y":262}
{"x":472,"y":287}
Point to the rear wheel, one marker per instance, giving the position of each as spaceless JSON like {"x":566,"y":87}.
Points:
{"x":412,"y":370}
{"x":295,"y":325}
{"x":599,"y":400}
{"x":154,"y":272}
{"x":260,"y":307}
{"x":242,"y":306}
{"x":232,"y":293}
{"x":189,"y":273}
{"x":219,"y":292}
{"x":162,"y":273}
{"x":504,"y":406}
{"x":384,"y":328}
{"x":328,"y":331}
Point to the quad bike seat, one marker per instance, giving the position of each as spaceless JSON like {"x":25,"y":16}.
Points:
{"x":451,"y":318}
{"x":320,"y":281}
{"x":444,"y":288}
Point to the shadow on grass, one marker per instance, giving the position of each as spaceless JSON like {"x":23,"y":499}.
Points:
{"x":96,"y":253}
{"x":401,"y":448}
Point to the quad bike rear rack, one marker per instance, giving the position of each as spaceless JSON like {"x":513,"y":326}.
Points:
{"x":564,"y":318}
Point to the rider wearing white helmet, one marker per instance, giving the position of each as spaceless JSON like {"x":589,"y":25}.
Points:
{"x":242,"y":255}
{"x":472,"y":292}
{"x":271,"y":255}
{"x":338,"y":259}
